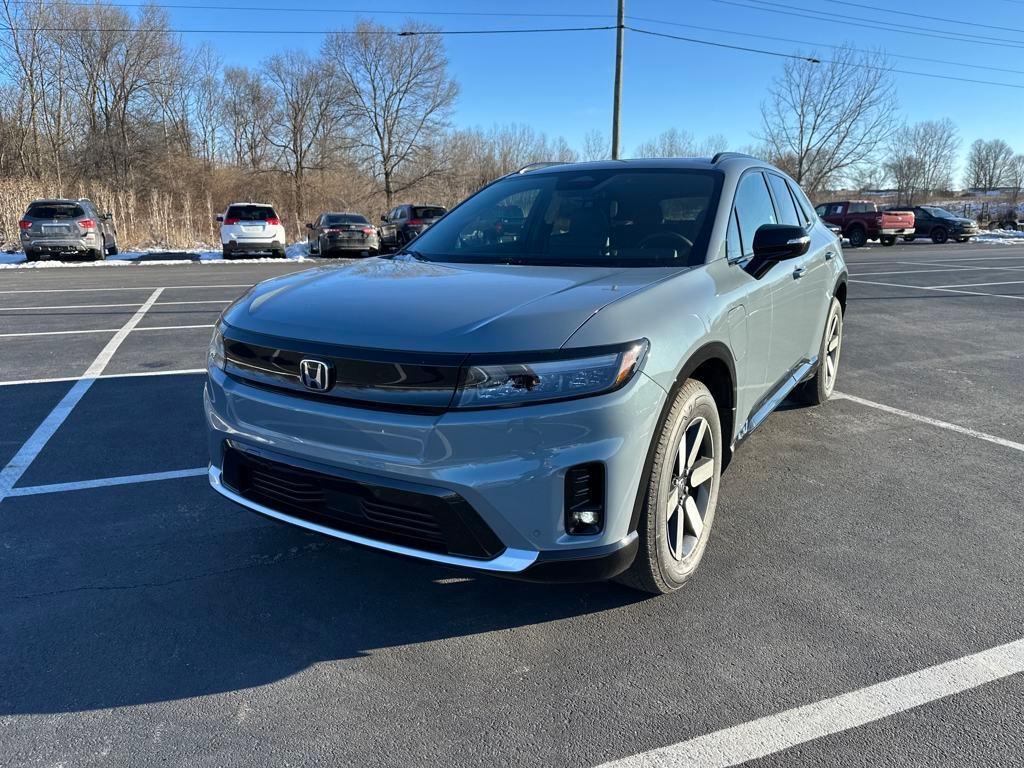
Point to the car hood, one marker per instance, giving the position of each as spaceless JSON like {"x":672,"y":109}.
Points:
{"x":405,"y":304}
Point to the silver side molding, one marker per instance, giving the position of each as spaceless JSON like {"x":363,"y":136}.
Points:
{"x":509,"y":561}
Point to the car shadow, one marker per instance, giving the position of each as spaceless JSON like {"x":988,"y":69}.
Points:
{"x":297,"y":599}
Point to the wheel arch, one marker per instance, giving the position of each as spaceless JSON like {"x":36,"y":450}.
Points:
{"x":712,"y":365}
{"x":839,"y":290}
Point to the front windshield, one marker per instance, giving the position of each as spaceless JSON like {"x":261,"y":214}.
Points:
{"x":940,"y":213}
{"x":582,"y":217}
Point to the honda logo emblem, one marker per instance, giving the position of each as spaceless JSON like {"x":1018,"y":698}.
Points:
{"x":315,"y":375}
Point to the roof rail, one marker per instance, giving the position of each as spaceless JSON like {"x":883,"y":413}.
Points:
{"x":537,"y":166}
{"x":730,"y":155}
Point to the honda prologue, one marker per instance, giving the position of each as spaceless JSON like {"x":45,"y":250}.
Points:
{"x":552,"y":401}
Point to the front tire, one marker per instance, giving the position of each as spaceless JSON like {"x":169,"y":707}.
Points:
{"x":818,"y":389}
{"x":940,"y":235}
{"x":681,"y":496}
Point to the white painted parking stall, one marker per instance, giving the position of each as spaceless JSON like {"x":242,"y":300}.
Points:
{"x":872,"y":588}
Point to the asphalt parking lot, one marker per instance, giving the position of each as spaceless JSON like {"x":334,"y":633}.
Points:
{"x":863,"y":554}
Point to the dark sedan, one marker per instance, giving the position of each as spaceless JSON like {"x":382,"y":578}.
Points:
{"x":349,"y":233}
{"x":941,"y":225}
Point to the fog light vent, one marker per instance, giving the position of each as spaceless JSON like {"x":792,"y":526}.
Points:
{"x":584,"y":500}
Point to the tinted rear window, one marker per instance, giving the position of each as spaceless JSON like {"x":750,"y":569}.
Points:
{"x":251,"y":212}
{"x":424,"y":212}
{"x":55,"y":211}
{"x":344,"y":218}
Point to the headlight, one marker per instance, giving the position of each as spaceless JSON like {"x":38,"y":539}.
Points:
{"x":215,"y":355}
{"x":556,"y":378}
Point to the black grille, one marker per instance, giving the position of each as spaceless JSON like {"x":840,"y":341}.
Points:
{"x":421,"y":518}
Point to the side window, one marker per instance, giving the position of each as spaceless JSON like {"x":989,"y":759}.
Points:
{"x":401,"y":213}
{"x":820,"y":210}
{"x":733,"y":246}
{"x":802,"y":203}
{"x":784,"y":201}
{"x":836,"y":209}
{"x":753,"y":209}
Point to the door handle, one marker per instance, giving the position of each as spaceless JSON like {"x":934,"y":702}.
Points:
{"x":829,"y":255}
{"x":799,"y":272}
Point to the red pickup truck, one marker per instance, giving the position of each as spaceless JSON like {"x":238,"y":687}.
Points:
{"x":861,"y":221}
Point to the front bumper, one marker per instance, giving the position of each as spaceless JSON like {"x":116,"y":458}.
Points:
{"x":508,"y":465}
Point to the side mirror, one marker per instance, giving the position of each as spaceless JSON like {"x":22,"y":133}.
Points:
{"x":309,"y":226}
{"x":774,"y":243}
{"x":384,"y":218}
{"x":220,"y":217}
{"x":108,"y":216}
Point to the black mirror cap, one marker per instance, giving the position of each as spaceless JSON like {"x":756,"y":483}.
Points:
{"x":309,"y":226}
{"x":220,"y":217}
{"x":384,"y":217}
{"x":774,"y":243}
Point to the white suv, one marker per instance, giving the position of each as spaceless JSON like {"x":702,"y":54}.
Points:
{"x":251,"y":228}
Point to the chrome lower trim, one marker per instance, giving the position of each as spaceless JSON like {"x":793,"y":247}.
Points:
{"x":509,"y":561}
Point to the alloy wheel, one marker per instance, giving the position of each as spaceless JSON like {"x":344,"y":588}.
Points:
{"x":690,"y":489}
{"x":832,"y":349}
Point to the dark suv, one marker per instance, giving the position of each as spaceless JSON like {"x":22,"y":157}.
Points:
{"x":401,"y":224}
{"x":63,"y":227}
{"x":941,"y":225}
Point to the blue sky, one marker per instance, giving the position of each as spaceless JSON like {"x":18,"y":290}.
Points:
{"x":561,"y":83}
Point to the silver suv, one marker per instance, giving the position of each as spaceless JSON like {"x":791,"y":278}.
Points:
{"x":63,"y":227}
{"x":554,"y":403}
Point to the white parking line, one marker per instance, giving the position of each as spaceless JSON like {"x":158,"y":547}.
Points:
{"x":103,"y":330}
{"x":134,"y":375}
{"x":16,"y":467}
{"x":943,"y":290}
{"x":103,"y":482}
{"x":933,"y":422}
{"x":131,"y":288}
{"x":928,"y":271}
{"x":109,"y":306}
{"x":978,"y":285}
{"x":783,"y":730}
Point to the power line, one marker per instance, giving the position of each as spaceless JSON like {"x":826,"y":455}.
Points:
{"x":929,"y":17}
{"x":369,"y":11}
{"x":651,"y":32}
{"x":173,"y":30}
{"x":815,"y":60}
{"x":833,"y":47}
{"x":857,"y":23}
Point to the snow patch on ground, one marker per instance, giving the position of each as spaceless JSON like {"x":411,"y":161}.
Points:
{"x":145,"y":257}
{"x":1000,"y":237}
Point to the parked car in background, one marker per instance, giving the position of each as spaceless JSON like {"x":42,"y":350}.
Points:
{"x":557,"y":405}
{"x":860,"y":221}
{"x":342,"y":233}
{"x":404,"y":222}
{"x":940,"y":225}
{"x":251,"y":228}
{"x":64,"y":227}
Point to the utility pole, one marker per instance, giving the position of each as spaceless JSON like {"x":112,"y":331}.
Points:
{"x":617,"y":98}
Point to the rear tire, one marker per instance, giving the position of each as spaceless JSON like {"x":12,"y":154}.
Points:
{"x":681,"y":496}
{"x":227,"y":253}
{"x":818,"y":389}
{"x":909,"y":238}
{"x":889,"y":240}
{"x":112,"y":250}
{"x":857,"y":237}
{"x":963,"y":239}
{"x":98,"y":254}
{"x":940,"y":235}
{"x":278,"y":253}
{"x":31,"y":256}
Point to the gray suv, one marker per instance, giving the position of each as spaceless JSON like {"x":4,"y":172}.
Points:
{"x":67,"y":228}
{"x":554,"y":404}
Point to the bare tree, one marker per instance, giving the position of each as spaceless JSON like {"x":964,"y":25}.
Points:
{"x":306,"y":111}
{"x":921,"y":158}
{"x":680,"y":143}
{"x":988,"y":164}
{"x":596,"y":146}
{"x":247,"y":109}
{"x":398,"y":97}
{"x":822,"y":120}
{"x":1015,"y":178}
